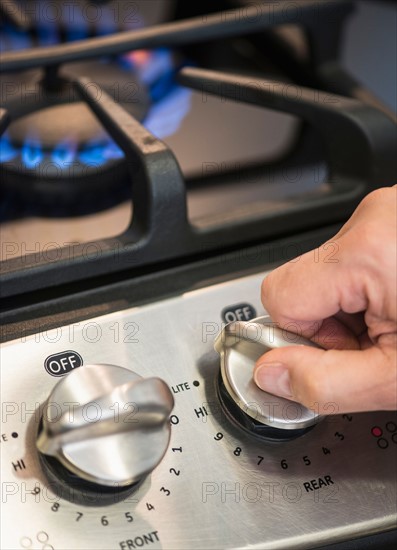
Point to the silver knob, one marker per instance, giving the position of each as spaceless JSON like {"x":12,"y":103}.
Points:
{"x":106,"y":424}
{"x":240,"y":344}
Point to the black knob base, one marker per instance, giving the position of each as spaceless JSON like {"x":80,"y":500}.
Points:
{"x":69,"y":486}
{"x":245,"y":422}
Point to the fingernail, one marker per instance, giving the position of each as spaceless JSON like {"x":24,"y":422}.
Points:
{"x":273,"y":378}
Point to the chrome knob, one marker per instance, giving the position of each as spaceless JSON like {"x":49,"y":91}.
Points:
{"x":106,"y":424}
{"x":240,"y":344}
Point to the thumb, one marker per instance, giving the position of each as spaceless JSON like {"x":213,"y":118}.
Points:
{"x":341,"y":381}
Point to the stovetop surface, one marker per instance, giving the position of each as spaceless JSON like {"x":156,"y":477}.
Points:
{"x":227,"y":136}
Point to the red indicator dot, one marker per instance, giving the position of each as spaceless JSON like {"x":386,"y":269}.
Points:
{"x":376,"y":431}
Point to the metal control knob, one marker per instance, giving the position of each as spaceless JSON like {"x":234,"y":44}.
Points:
{"x":106,"y":425}
{"x":240,"y":344}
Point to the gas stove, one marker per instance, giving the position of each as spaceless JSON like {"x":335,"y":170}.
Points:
{"x":158,"y":160}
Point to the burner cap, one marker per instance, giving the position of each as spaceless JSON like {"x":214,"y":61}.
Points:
{"x":72,"y":124}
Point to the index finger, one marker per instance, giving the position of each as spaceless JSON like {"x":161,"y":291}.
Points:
{"x":311,"y":289}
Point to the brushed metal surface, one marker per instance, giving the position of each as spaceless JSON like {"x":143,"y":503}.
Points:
{"x":240,"y":344}
{"x":216,"y":487}
{"x":84,"y":430}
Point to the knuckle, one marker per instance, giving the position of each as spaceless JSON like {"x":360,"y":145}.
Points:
{"x":273,"y":290}
{"x":378,"y":243}
{"x":379,"y":195}
{"x":267,"y":289}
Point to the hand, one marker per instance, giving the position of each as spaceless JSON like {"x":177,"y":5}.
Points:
{"x":347,"y":303}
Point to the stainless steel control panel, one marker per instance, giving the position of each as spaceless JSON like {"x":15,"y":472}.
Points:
{"x":218,"y":485}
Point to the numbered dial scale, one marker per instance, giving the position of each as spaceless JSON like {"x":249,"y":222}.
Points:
{"x":119,"y":432}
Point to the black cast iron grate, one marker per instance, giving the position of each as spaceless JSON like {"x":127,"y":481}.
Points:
{"x":359,"y":141}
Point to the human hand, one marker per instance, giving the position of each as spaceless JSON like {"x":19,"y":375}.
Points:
{"x":347,"y":303}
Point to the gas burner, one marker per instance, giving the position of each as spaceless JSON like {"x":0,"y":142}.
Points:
{"x":55,"y":151}
{"x":61,"y":152}
{"x":75,"y":159}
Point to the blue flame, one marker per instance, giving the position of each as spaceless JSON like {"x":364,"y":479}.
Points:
{"x":112,"y":151}
{"x":156,"y":69}
{"x":47,"y":19}
{"x":80,"y":27}
{"x":32,"y":152}
{"x":14,"y":39}
{"x":162,"y":86}
{"x":64,"y":154}
{"x":97,"y":154}
{"x":92,"y":155}
{"x":161,"y":64}
{"x":165,"y":118}
{"x":7,"y":150}
{"x":107,"y":22}
{"x":47,"y":34}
